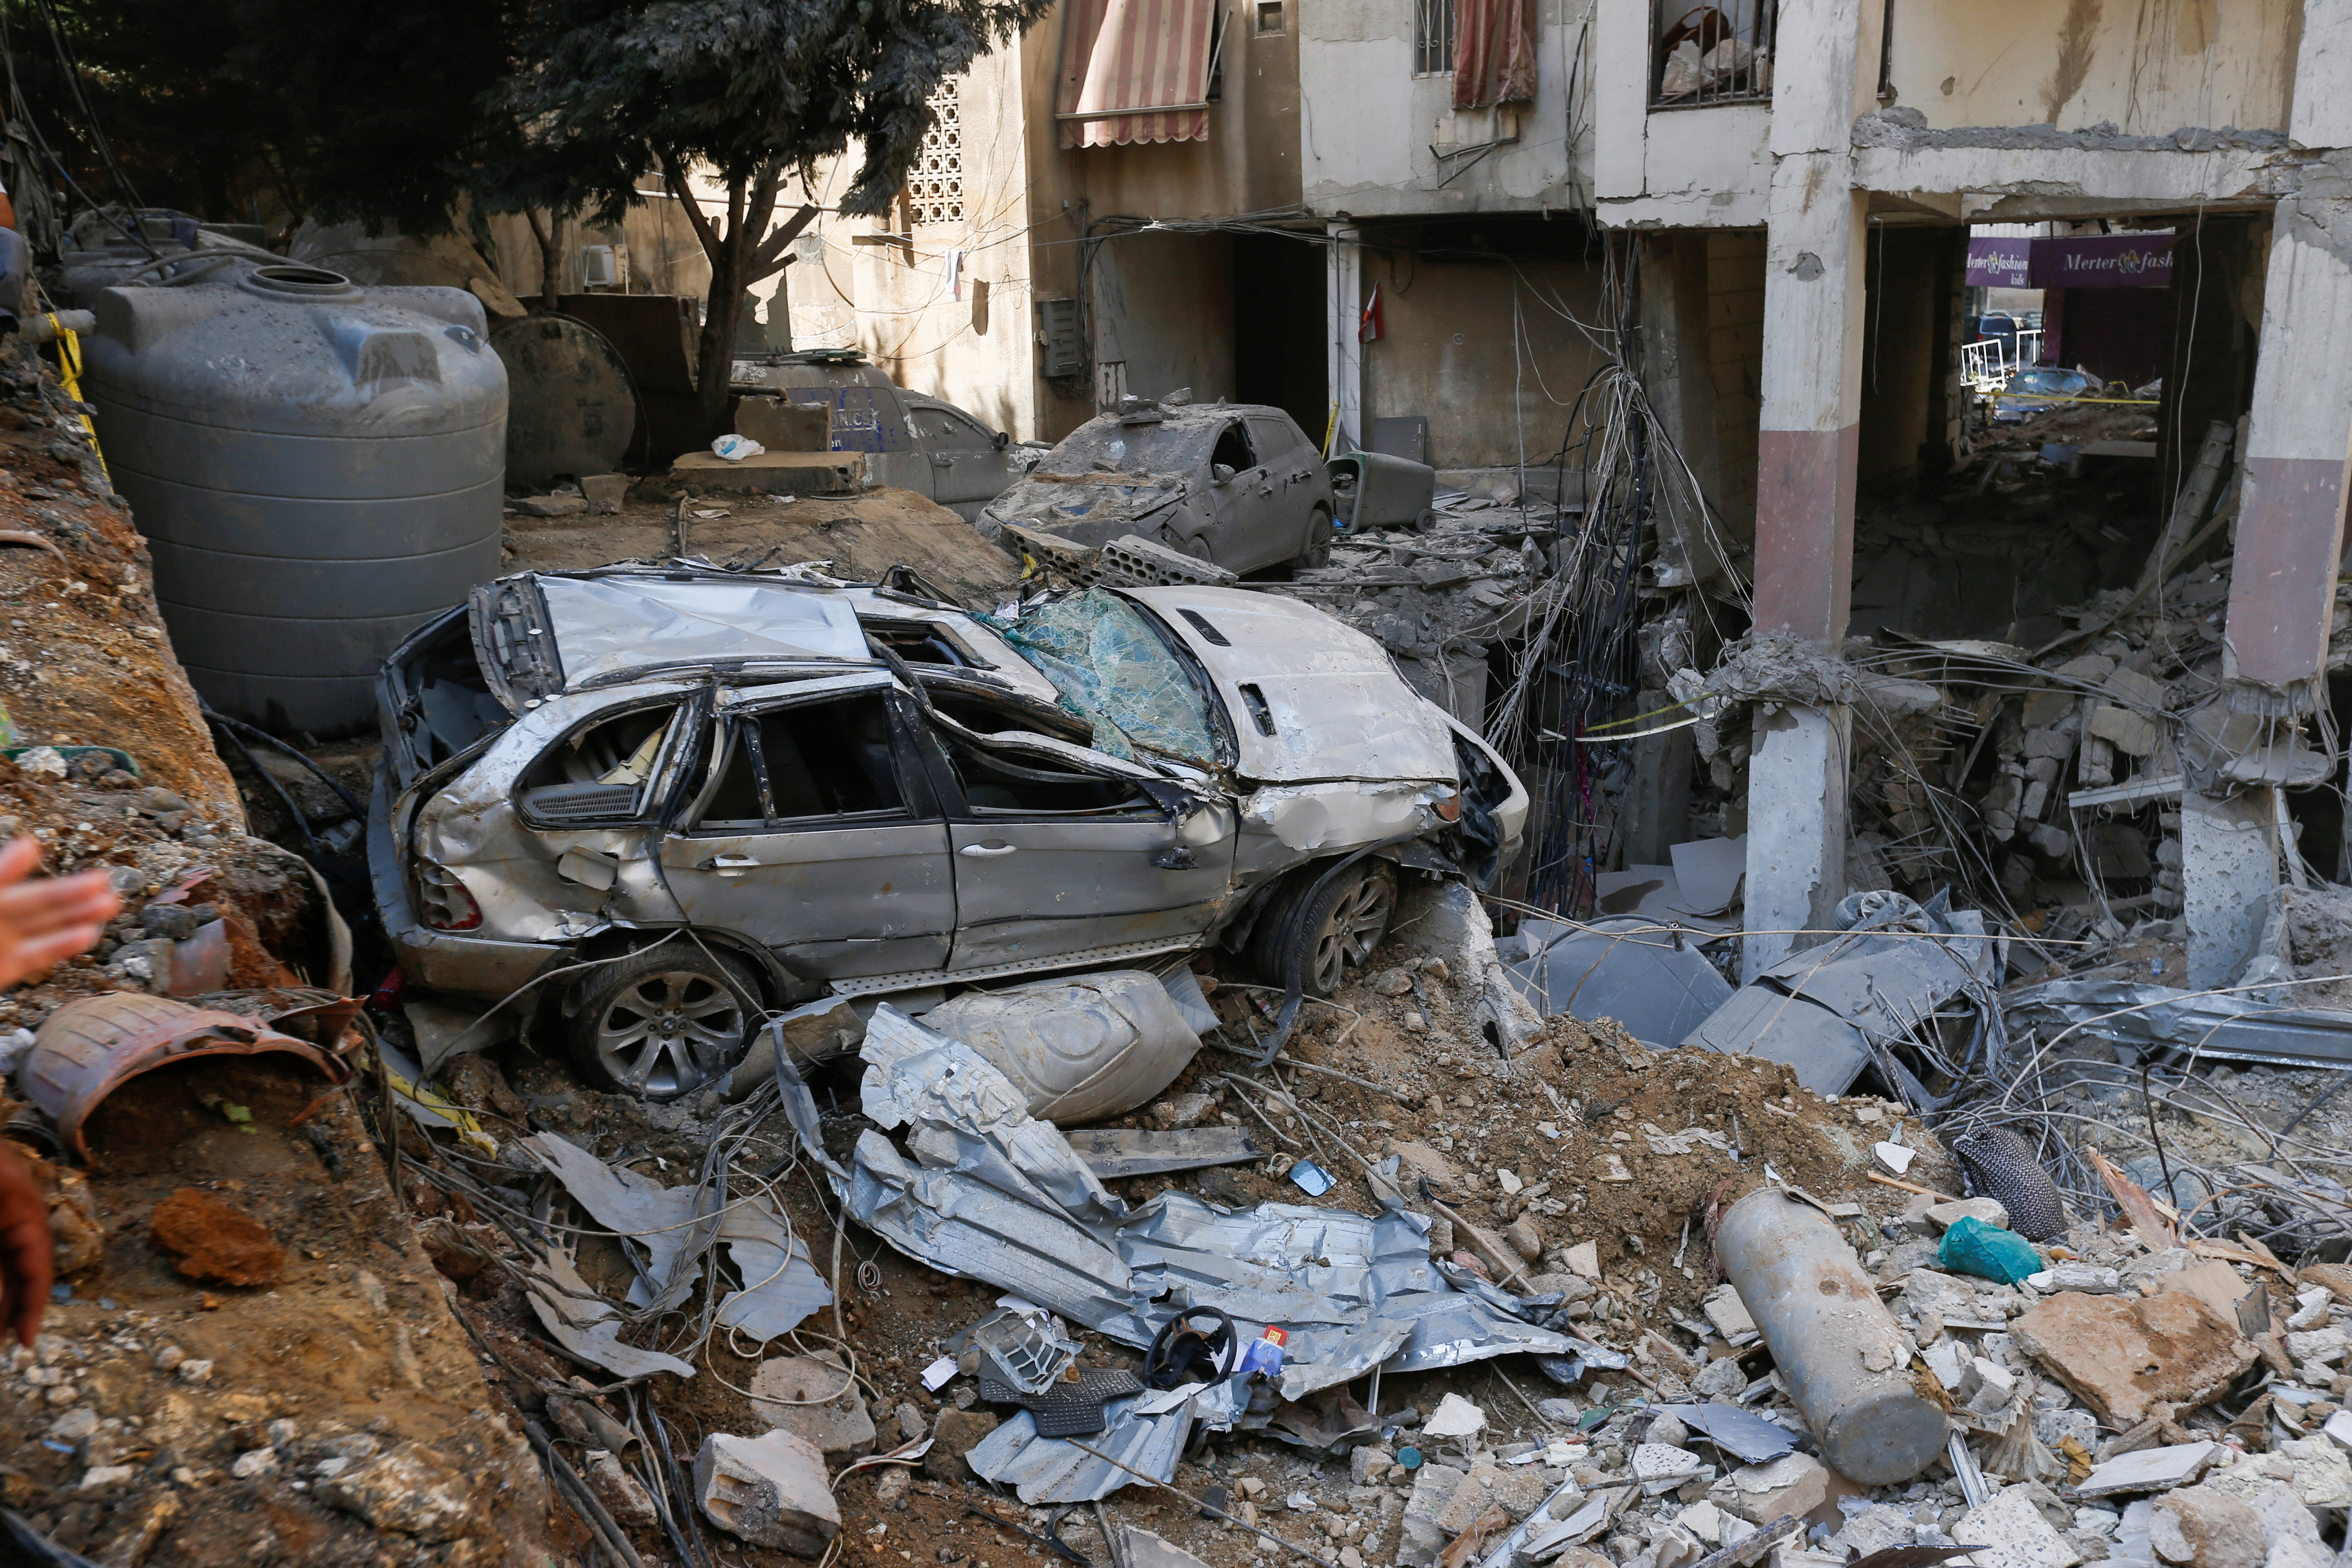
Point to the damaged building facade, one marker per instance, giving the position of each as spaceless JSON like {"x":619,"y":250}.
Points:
{"x":1858,"y":148}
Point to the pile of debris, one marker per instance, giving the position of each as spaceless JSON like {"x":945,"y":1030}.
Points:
{"x":2042,"y":779}
{"x":1466,"y":578}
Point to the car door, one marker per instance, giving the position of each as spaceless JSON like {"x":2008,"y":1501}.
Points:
{"x":1292,"y":469}
{"x":815,"y":832}
{"x":1058,"y":854}
{"x":1248,"y":533}
{"x":968,"y":468}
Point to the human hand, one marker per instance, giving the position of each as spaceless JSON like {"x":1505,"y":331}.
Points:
{"x":46,"y":918}
{"x":28,"y":1256}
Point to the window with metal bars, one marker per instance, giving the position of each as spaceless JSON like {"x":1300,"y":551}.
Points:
{"x":1432,"y":37}
{"x":935,"y":185}
{"x":1712,"y":54}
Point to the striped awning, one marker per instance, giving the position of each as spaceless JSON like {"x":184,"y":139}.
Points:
{"x":1135,"y":71}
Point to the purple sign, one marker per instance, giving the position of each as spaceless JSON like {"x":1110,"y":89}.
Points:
{"x":2000,"y":263}
{"x":2100,"y":261}
{"x":2104,"y":261}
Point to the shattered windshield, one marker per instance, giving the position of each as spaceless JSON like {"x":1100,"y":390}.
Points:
{"x":1113,"y":671}
{"x":1163,"y":447}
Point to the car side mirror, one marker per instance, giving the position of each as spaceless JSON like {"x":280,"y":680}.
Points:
{"x":1002,"y":441}
{"x":1220,"y":472}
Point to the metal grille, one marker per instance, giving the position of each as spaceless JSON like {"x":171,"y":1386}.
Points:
{"x":1711,"y":54}
{"x":1432,"y":37}
{"x":934,"y":188}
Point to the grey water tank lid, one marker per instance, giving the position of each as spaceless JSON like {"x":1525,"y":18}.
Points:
{"x":303,"y":282}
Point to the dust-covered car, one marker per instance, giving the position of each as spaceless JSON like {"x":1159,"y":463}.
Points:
{"x":657,"y":806}
{"x":1237,"y":484}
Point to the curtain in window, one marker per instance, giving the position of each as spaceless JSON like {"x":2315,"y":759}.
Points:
{"x":1494,"y":53}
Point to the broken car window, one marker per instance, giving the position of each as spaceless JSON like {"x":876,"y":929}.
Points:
{"x":1233,"y":448}
{"x":598,"y":771}
{"x":821,"y":761}
{"x":1113,"y":671}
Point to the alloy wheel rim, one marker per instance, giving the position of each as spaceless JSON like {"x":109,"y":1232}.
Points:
{"x":1356,"y":923}
{"x":667,"y":1032}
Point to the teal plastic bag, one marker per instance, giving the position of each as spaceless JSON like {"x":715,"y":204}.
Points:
{"x":1988,"y":1252}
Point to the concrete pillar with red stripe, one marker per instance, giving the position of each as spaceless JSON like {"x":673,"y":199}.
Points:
{"x":1806,"y":450}
{"x":2297,"y":461}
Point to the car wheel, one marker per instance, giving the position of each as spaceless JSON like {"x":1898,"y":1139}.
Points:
{"x":1318,"y":542}
{"x":664,"y":1022}
{"x":1332,"y":929}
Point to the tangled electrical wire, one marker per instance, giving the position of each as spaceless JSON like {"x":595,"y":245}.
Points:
{"x":1581,"y":658}
{"x":521,"y":1223}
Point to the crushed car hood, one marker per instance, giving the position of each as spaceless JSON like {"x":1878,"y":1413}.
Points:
{"x":542,"y":634}
{"x":1332,"y":696}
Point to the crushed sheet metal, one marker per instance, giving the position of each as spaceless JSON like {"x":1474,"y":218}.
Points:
{"x":780,"y":1285}
{"x":993,"y":1192}
{"x":602,"y":626}
{"x":1147,"y":1431}
{"x":2231,"y":1028}
{"x":1746,"y":1435}
{"x":586,"y":1326}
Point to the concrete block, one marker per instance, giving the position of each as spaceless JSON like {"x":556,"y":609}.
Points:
{"x":604,"y":492}
{"x":2121,"y":1354}
{"x":1876,"y":1529}
{"x":2149,"y":1470}
{"x":549,"y":506}
{"x":771,"y":1492}
{"x":2199,"y":1527}
{"x":2051,"y":741}
{"x":2125,"y":729}
{"x":2009,"y":1532}
{"x":624,"y":1496}
{"x":1794,"y":1483}
{"x":782,"y":426}
{"x":775,"y":473}
{"x":840,"y":1425}
{"x":1986,"y":1386}
{"x":1943,"y":1217}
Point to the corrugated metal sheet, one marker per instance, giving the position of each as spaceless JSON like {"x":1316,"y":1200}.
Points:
{"x":1135,"y":71}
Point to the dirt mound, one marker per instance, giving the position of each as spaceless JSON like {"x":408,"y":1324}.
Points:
{"x":215,"y":1242}
{"x":862,"y":535}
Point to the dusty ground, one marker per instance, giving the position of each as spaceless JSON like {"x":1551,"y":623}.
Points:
{"x":1448,"y":1094}
{"x":863,"y":536}
{"x":351,"y":1352}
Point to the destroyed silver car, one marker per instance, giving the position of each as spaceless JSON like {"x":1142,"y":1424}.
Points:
{"x":1237,"y":484}
{"x":656,"y":804}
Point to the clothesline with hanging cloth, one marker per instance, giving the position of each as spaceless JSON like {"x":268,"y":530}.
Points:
{"x":1135,"y":71}
{"x":1494,"y":53}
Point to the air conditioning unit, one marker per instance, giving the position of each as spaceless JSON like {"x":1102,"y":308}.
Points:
{"x":596,"y":268}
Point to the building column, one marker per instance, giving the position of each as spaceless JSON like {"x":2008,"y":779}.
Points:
{"x":2283,"y":585}
{"x":1806,"y":445}
{"x":1343,"y":296}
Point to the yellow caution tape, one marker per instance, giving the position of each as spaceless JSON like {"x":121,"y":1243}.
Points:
{"x":2056,"y":400}
{"x":469,"y":1130}
{"x":1614,"y":724}
{"x":69,"y":375}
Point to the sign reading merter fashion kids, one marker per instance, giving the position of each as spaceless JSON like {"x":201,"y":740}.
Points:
{"x":2098,"y":262}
